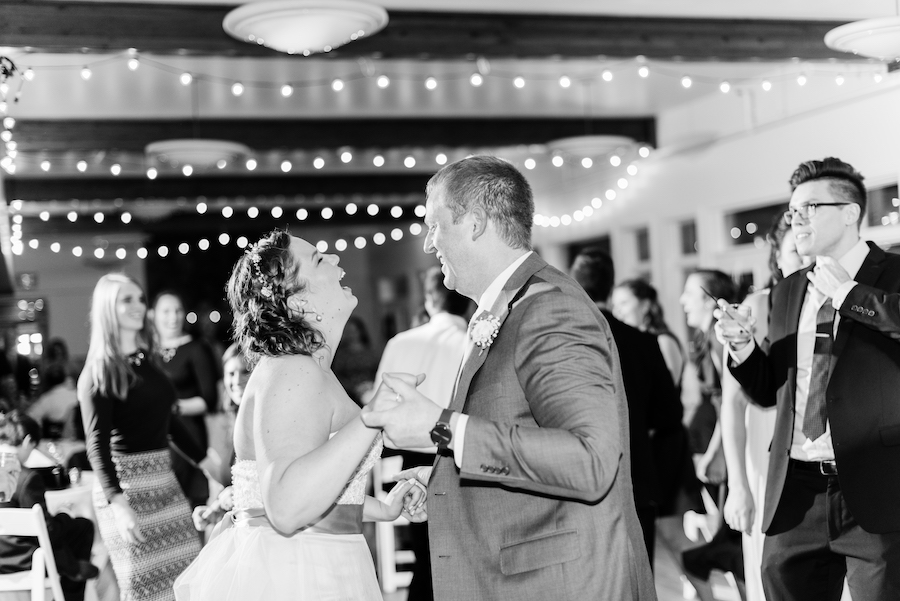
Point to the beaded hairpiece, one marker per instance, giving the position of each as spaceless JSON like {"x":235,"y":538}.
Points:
{"x":265,"y":286}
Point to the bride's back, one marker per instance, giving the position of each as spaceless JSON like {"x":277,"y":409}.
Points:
{"x":287,"y":373}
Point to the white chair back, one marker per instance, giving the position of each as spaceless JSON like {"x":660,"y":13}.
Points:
{"x":43,"y":574}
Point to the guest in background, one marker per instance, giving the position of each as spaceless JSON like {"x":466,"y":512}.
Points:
{"x":126,"y":403}
{"x":189,"y":363}
{"x":748,"y":429}
{"x":355,"y":363}
{"x":56,"y":409}
{"x":71,"y":538}
{"x":654,"y":405}
{"x":636,"y":303}
{"x":237,"y":371}
{"x":435,"y":349}
{"x":723,"y":552}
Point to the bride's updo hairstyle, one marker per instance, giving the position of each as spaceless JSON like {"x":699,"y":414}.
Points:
{"x":258,"y":291}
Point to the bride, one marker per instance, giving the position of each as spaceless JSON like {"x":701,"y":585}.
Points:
{"x":303,"y":452}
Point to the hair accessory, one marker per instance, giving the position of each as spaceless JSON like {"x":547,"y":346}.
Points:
{"x":265,"y":287}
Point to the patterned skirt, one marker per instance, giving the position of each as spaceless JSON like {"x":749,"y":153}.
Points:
{"x":147,"y":571}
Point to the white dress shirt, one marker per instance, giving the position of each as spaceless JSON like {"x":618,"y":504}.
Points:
{"x":822,"y":448}
{"x":485,"y":303}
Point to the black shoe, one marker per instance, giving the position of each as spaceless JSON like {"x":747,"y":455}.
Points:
{"x":86,"y":571}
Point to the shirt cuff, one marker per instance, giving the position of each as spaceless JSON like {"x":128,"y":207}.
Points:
{"x":459,"y":435}
{"x":840,"y":295}
{"x":738,"y":357}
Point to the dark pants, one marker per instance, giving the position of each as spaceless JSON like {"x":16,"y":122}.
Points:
{"x":814,"y":541}
{"x":72,"y":539}
{"x":647,"y":517}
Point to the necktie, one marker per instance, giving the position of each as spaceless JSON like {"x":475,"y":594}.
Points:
{"x":469,"y":345}
{"x":814,"y":420}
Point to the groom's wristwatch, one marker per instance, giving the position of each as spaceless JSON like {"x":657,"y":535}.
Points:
{"x":441,"y":434}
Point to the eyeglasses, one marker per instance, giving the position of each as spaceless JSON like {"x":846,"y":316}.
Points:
{"x":809,"y":210}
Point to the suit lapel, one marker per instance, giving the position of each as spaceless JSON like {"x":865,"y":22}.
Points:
{"x":501,"y":308}
{"x":868,"y":274}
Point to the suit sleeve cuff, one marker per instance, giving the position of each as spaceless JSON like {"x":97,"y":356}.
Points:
{"x":840,"y":295}
{"x":459,"y":435}
{"x":738,"y":357}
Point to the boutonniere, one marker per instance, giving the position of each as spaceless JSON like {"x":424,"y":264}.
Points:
{"x":484,"y":330}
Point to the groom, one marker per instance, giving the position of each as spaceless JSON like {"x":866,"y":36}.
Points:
{"x":530,"y":497}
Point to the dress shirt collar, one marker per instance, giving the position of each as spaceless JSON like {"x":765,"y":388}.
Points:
{"x":487,"y":300}
{"x":853,"y":259}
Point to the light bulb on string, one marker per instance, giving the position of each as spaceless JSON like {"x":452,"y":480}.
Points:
{"x":607,"y":75}
{"x":644,"y":151}
{"x":519,"y":82}
{"x":378,"y":160}
{"x":133,"y":64}
{"x":187,"y":170}
{"x":396,"y":234}
{"x":253,"y":212}
{"x":587,"y":162}
{"x":622,"y":183}
{"x":44,"y":215}
{"x":409,"y":162}
{"x":441,"y":158}
{"x":372,"y":209}
{"x":126,"y":217}
{"x":287,"y":90}
{"x":221,"y":164}
{"x":801,"y":79}
{"x":6,"y":135}
{"x":121,"y":253}
{"x":340,"y":245}
{"x":431,"y":83}
{"x":686,"y":82}
{"x":643,"y":71}
{"x":564,"y":81}
{"x":318,"y":162}
{"x":29,"y":74}
{"x":85,"y":73}
{"x":9,"y":122}
{"x":351,"y":208}
{"x":379,"y":238}
{"x":530,"y":163}
{"x":81,"y":166}
{"x":250,"y":164}
{"x":72,"y":216}
{"x":224,"y":239}
{"x":632,"y":169}
{"x":55,"y":247}
{"x":615,"y":160}
{"x":383,"y":81}
{"x":115,"y":169}
{"x":141,"y":253}
{"x":276,"y":212}
{"x":415,"y":229}
{"x":152,"y":173}
{"x":419,"y":211}
{"x":227,"y":212}
{"x":286,"y":166}
{"x":45,"y":165}
{"x":839,"y":80}
{"x":237,"y":88}
{"x":476,"y":79}
{"x":76,"y":251}
{"x":186,"y":79}
{"x":99,"y":252}
{"x":724,"y":87}
{"x":610,"y":195}
{"x":337,"y":84}
{"x":302,"y":214}
{"x":346,"y":157}
{"x":557,"y":161}
{"x":396,"y":212}
{"x":203,"y":244}
{"x":766,"y":85}
{"x":327,"y":213}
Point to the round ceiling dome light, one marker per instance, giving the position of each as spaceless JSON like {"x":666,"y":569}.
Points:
{"x":875,"y":38}
{"x":304,"y":26}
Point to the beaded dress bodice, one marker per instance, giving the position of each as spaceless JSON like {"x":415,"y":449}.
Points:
{"x":248,"y":495}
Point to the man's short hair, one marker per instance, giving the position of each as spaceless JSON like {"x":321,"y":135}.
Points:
{"x":496,"y":186}
{"x":441,"y":297}
{"x":15,"y":426}
{"x":593,"y":268}
{"x":844,"y":182}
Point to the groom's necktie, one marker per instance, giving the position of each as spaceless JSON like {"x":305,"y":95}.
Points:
{"x":816,"y":415}
{"x":469,"y":345}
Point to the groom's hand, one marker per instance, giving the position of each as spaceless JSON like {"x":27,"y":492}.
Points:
{"x":408,"y":421}
{"x":385,"y":397}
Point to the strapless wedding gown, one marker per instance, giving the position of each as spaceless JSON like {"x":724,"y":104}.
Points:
{"x":249,"y":560}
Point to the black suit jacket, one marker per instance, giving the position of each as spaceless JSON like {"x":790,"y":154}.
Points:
{"x":863,"y":394}
{"x":654,"y":406}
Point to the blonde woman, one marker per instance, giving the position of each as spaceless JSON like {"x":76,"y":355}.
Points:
{"x":126,"y":404}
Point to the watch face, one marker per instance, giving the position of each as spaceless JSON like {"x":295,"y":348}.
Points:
{"x":441,"y":435}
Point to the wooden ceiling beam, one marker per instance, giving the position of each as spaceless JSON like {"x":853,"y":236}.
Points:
{"x":273,"y":134}
{"x":168,"y":29}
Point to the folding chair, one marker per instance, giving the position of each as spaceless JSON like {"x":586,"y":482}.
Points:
{"x":43,"y":574}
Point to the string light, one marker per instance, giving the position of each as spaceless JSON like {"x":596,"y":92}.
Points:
{"x":476,"y":79}
{"x":187,"y":170}
{"x":519,"y":82}
{"x":81,"y":166}
{"x":133,"y":64}
{"x":801,"y":80}
{"x":85,"y":73}
{"x":378,"y":160}
{"x":287,"y":90}
{"x":346,"y":157}
{"x":237,"y":88}
{"x":724,"y":87}
{"x":250,"y":164}
{"x":643,"y":71}
{"x":766,"y":85}
{"x":337,"y":84}
{"x":607,"y":75}
{"x":564,"y":81}
{"x":409,"y":162}
{"x":383,"y":81}
{"x":318,"y":162}
{"x":441,"y":158}
{"x":286,"y":166}
{"x":431,"y":83}
{"x":686,"y":81}
{"x":186,"y":79}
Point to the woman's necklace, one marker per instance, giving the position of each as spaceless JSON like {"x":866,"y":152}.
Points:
{"x":167,"y":353}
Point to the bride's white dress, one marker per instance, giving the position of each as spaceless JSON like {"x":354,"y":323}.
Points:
{"x":249,"y":560}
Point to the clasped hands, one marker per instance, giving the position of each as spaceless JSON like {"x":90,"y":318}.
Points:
{"x":406,"y":415}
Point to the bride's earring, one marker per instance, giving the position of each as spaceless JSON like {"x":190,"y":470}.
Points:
{"x":311,"y":312}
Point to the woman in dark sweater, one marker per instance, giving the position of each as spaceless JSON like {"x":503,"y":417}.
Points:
{"x":126,"y":403}
{"x":189,"y":363}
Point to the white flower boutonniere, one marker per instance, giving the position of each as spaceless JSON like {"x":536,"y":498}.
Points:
{"x":484,"y":330}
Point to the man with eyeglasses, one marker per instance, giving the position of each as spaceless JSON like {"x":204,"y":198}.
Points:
{"x":831,"y":364}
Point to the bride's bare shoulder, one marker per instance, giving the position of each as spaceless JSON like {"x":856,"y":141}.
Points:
{"x":289,"y":374}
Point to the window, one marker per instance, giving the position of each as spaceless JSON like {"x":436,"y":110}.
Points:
{"x":689,"y":244}
{"x":751,"y":226}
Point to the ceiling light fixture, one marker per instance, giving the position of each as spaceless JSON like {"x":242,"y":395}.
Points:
{"x":304,"y":26}
{"x":196,"y":153}
{"x":874,"y":38}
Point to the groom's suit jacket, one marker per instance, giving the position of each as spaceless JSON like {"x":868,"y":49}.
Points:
{"x":863,"y":394}
{"x":543,"y":507}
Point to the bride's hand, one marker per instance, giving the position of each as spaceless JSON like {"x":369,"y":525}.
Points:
{"x":385,"y":398}
{"x":405,"y":494}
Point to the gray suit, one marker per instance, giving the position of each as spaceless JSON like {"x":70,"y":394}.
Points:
{"x":543,"y":507}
